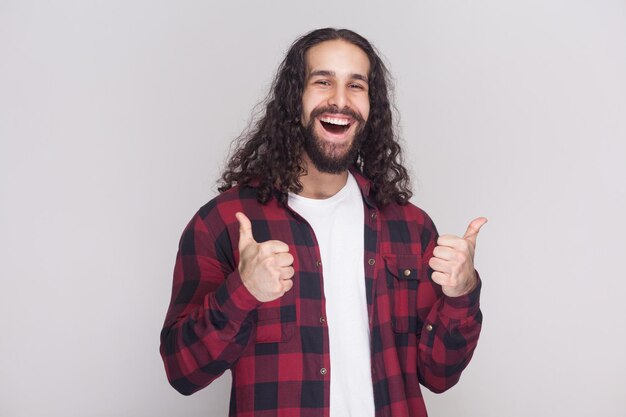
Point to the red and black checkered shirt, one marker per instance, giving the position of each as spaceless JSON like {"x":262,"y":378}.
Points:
{"x":278,"y":351}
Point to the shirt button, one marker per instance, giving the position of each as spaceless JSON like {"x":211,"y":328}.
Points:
{"x":318,"y":263}
{"x":322,"y":319}
{"x":372,"y":261}
{"x":407,"y":272}
{"x":323,"y":371}
{"x":429,"y":327}
{"x":373,"y":216}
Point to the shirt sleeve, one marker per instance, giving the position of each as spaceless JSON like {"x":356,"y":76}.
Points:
{"x":211,"y":314}
{"x":450,"y":332}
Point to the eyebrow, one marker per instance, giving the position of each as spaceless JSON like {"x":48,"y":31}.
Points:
{"x":326,"y":73}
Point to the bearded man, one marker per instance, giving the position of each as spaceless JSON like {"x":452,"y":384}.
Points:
{"x":310,"y":276}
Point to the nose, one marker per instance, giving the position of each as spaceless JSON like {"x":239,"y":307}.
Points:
{"x":338,"y":97}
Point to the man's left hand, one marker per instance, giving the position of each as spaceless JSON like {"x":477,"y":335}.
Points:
{"x":453,"y":261}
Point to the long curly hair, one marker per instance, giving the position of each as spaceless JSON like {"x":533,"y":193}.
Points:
{"x":269,"y":153}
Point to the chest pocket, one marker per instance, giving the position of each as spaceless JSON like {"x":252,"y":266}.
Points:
{"x":403,"y":283}
{"x":276,"y":320}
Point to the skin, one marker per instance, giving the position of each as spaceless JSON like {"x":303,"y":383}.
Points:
{"x":265,"y":268}
{"x":337,"y":77}
{"x":453,"y":261}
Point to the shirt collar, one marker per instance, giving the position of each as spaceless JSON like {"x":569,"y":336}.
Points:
{"x":365,"y":185}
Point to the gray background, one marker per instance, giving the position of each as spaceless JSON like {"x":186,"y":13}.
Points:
{"x":115,"y":120}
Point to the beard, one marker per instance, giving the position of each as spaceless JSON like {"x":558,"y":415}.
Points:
{"x":332,"y":158}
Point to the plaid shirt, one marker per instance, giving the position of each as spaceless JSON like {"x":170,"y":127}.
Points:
{"x":278,"y":351}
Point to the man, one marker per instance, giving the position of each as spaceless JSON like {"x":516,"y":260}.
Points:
{"x":311,"y":277}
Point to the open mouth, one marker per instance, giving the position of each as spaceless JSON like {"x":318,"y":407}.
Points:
{"x":335,"y":125}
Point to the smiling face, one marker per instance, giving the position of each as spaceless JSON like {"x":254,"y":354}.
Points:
{"x":335,"y":103}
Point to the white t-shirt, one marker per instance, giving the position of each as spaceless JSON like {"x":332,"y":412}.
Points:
{"x":338,"y":225}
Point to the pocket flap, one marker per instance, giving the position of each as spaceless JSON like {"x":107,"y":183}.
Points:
{"x":403,"y":267}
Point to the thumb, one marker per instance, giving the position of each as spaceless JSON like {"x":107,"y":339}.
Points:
{"x":474,"y":227}
{"x":245,"y":231}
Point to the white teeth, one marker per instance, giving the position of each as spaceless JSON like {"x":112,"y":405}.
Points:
{"x":332,"y":120}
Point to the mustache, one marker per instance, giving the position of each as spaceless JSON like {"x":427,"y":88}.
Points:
{"x":346,"y":111}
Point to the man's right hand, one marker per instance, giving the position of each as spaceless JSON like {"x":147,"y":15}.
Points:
{"x":265,"y":268}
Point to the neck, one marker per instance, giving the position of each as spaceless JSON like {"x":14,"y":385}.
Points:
{"x":321,"y":185}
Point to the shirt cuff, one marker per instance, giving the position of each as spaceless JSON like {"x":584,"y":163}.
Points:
{"x":234,"y":299}
{"x":464,"y":306}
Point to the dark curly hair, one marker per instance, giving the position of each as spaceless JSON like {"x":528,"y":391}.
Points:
{"x":268,"y":154}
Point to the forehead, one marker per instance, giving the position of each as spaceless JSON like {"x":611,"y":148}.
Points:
{"x":337,"y":56}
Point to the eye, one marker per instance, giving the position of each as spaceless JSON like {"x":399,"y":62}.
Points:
{"x":323,"y":82}
{"x":355,"y":86}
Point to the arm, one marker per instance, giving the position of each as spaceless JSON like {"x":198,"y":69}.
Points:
{"x":448,"y":340}
{"x":208,"y":325}
{"x":452,"y":325}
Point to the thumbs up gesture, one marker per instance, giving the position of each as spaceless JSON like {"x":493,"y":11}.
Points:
{"x":453,"y":261}
{"x":265,"y":268}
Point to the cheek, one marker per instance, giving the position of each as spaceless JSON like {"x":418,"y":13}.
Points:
{"x":364,"y":109}
{"x":304,"y":118}
{"x":361,"y":103}
{"x":307,"y":108}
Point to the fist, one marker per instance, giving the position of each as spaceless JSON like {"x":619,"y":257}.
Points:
{"x":453,"y":261}
{"x":265,"y":268}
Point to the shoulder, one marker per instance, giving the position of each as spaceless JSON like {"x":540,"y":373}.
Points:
{"x":219,"y":212}
{"x":229,"y":202}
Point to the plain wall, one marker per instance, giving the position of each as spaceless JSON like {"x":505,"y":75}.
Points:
{"x":116,"y":119}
